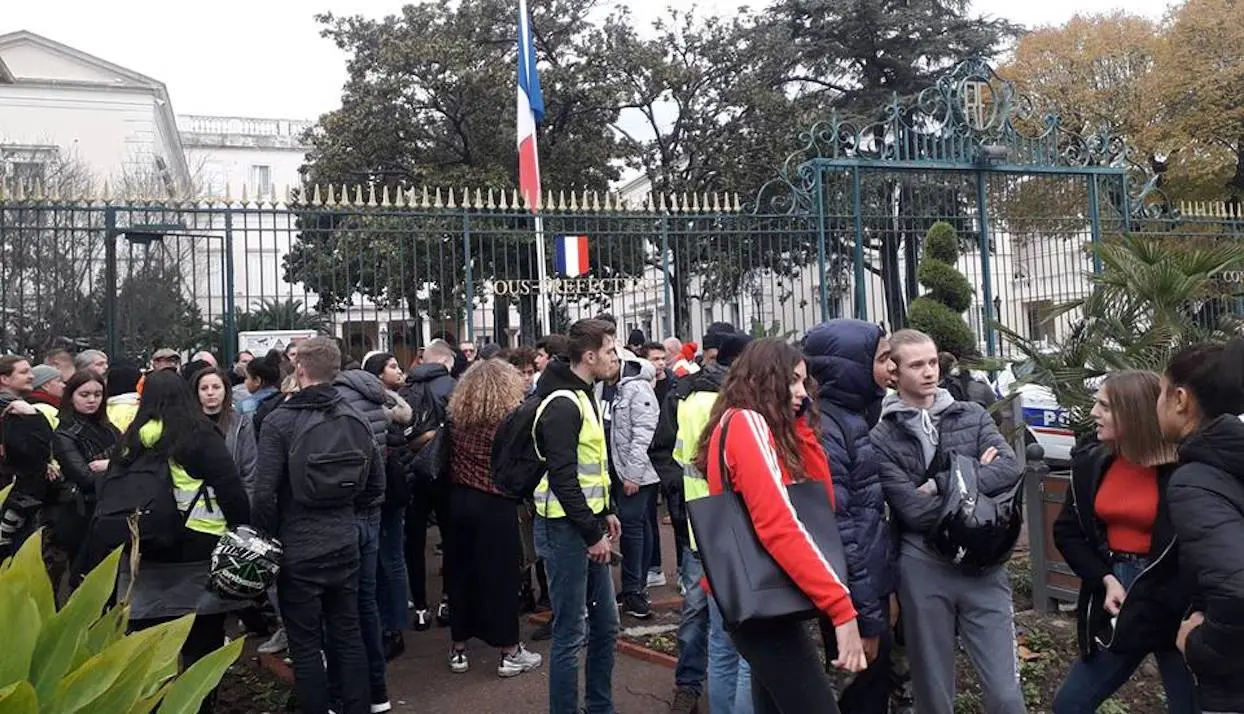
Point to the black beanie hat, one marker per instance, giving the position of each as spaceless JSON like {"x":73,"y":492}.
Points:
{"x":715,"y":333}
{"x":636,"y":339}
{"x":122,"y":379}
{"x":731,"y":347}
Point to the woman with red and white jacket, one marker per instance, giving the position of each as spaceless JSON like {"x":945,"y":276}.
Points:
{"x":771,"y":444}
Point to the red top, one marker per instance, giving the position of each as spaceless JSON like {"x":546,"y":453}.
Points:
{"x":760,"y":478}
{"x":1127,"y":501}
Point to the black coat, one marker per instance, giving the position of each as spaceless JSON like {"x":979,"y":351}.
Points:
{"x":1155,"y":603}
{"x":1206,"y":495}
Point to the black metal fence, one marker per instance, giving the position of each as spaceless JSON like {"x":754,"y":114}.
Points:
{"x":391,"y":270}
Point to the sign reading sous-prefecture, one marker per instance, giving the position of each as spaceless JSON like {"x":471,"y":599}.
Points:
{"x":565,"y":286}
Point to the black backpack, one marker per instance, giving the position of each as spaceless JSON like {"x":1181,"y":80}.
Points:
{"x":145,"y":487}
{"x":516,"y":466}
{"x":330,"y":457}
{"x":976,"y":531}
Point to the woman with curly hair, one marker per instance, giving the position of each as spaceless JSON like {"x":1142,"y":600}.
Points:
{"x":770,"y":442}
{"x":482,"y":549}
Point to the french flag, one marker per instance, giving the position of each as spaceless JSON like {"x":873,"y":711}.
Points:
{"x":570,"y":255}
{"x":530,"y":110}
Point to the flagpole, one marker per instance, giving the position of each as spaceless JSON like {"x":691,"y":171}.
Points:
{"x":542,"y":299}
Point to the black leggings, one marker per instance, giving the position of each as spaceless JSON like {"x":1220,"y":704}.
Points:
{"x":787,"y":677}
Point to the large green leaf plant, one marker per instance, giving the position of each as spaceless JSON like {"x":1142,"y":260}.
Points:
{"x":79,"y":659}
{"x":1152,"y":297}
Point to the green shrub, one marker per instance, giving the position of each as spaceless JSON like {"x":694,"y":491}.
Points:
{"x":941,"y":242}
{"x":944,"y":325}
{"x":79,"y":659}
{"x":939,"y":312}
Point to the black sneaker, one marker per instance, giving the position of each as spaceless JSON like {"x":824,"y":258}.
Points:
{"x":442,"y":613}
{"x":394,"y":646}
{"x":423,"y":620}
{"x":636,"y":605}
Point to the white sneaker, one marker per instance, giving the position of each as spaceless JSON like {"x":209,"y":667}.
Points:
{"x":458,"y":663}
{"x":656,"y":578}
{"x":521,"y":661}
{"x":278,"y":642}
{"x":381,"y":708}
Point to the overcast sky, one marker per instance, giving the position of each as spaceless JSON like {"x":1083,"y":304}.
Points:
{"x":265,"y":58}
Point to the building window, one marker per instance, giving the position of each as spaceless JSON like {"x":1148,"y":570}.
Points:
{"x":261,"y":178}
{"x":1039,"y":327}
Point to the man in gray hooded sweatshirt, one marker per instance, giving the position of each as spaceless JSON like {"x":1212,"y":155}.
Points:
{"x":919,"y":428}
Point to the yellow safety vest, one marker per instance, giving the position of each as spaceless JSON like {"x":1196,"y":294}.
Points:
{"x":693,"y":416}
{"x":49,"y":412}
{"x":204,"y":517}
{"x":121,"y":414}
{"x":593,"y":459}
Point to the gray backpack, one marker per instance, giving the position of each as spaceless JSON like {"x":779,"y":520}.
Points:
{"x":330,"y":458}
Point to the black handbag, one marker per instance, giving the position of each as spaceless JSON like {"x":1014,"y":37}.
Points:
{"x":746,"y":581}
{"x":431,"y":463}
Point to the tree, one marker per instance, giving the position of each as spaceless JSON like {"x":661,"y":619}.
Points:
{"x":716,"y":115}
{"x":430,"y":98}
{"x":427,"y":93}
{"x":939,"y":312}
{"x":1152,"y":298}
{"x":863,"y":55}
{"x":1201,"y":70}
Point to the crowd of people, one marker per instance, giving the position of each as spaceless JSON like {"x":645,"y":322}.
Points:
{"x":348,"y":463}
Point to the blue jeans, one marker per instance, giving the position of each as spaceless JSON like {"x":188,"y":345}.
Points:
{"x":692,"y":666}
{"x":636,"y":538}
{"x":1092,"y":681}
{"x":581,"y":593}
{"x":729,"y":675}
{"x":654,"y":522}
{"x":391,"y":578}
{"x":369,"y":612}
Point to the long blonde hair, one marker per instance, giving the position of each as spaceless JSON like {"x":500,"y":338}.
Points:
{"x":488,"y":391}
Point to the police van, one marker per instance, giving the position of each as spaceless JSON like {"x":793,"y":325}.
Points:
{"x":1046,"y":421}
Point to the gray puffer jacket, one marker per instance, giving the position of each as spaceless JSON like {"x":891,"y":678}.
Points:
{"x":366,"y":393}
{"x":906,"y":440}
{"x":240,"y":438}
{"x":636,"y":412}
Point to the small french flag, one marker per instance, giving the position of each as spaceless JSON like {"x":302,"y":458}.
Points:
{"x":570,"y":255}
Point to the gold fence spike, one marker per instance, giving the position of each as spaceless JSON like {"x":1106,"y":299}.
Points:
{"x":595,"y":202}
{"x":245,"y":196}
{"x":695,"y":203}
{"x":450,"y":203}
{"x":736,"y":202}
{"x":514,"y":202}
{"x":561,"y":201}
{"x":439,"y":202}
{"x":316,"y":200}
{"x":490,"y":203}
{"x":384,"y":196}
{"x":501,"y":204}
{"x":371,"y":195}
{"x":358,"y":195}
{"x":478,"y":204}
{"x":661,"y":204}
{"x":608,"y":204}
{"x":331,"y":199}
{"x":574,"y":202}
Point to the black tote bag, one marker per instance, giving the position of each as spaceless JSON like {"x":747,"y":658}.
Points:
{"x":746,"y":582}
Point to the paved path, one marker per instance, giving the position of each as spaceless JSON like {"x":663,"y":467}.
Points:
{"x":420,"y":681}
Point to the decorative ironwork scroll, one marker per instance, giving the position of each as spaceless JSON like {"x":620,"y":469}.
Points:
{"x":969,"y":117}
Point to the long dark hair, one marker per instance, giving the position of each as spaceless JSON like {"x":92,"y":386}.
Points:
{"x":79,"y":378}
{"x":166,"y":399}
{"x":266,"y":369}
{"x":1213,"y":374}
{"x":759,"y":380}
{"x":226,"y":406}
